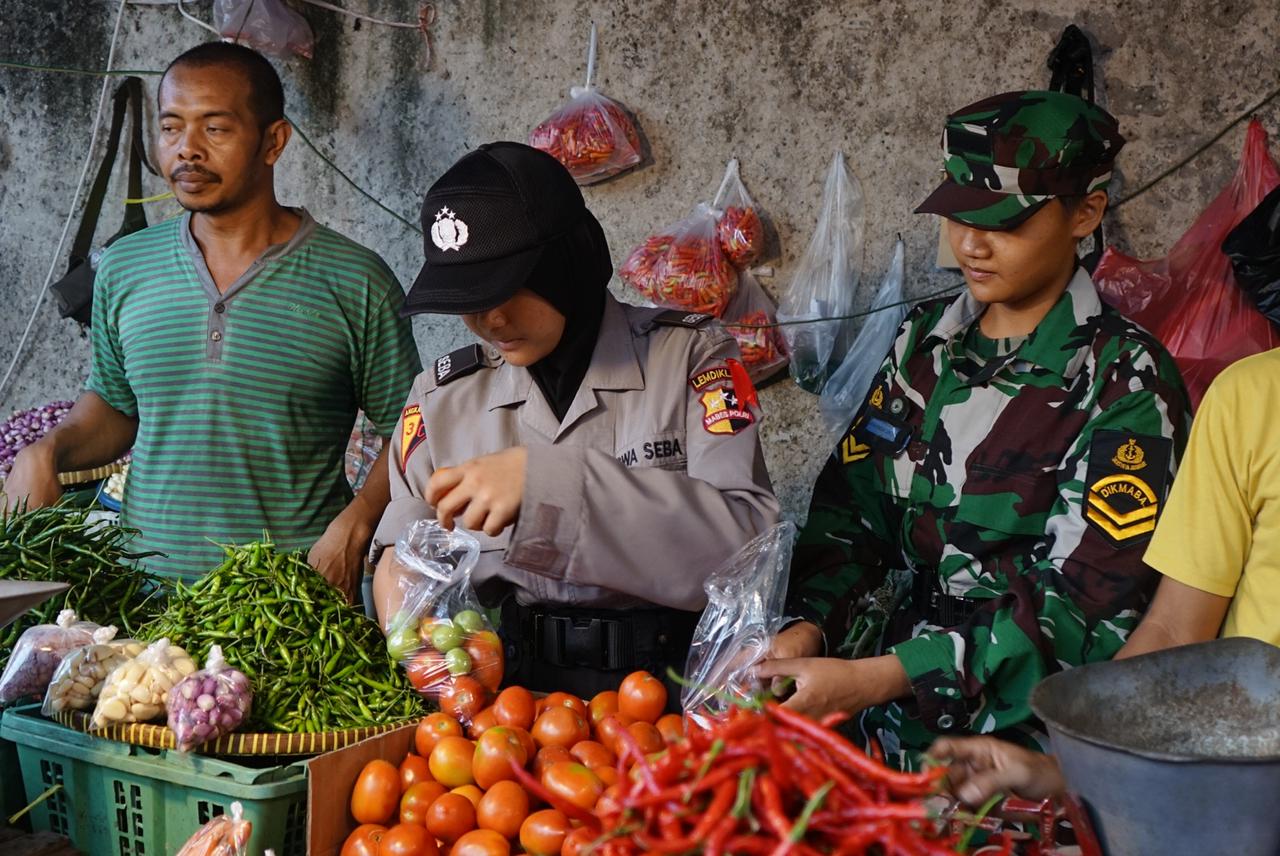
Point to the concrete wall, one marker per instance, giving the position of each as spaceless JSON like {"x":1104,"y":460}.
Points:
{"x":778,"y":83}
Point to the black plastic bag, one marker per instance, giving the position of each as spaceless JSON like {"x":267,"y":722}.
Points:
{"x":1254,"y":250}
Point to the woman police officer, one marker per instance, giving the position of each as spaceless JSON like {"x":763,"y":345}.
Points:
{"x":606,"y":456}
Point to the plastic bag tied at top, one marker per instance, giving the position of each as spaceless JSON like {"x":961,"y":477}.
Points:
{"x":684,"y":266}
{"x":749,"y":318}
{"x":738,"y":226}
{"x":825,"y":280}
{"x":440,"y":634}
{"x":745,"y":600}
{"x":224,"y":835}
{"x":39,"y":652}
{"x":1189,"y":299}
{"x":1254,"y":250}
{"x":267,"y":26}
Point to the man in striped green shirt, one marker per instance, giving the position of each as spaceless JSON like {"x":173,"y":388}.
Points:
{"x":232,"y":347}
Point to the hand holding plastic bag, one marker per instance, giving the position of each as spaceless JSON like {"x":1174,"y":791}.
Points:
{"x":825,"y":280}
{"x":222,"y":836}
{"x":267,"y":26}
{"x":209,"y":703}
{"x":82,"y":673}
{"x":590,"y":134}
{"x":684,"y":266}
{"x":745,"y":599}
{"x":449,"y":650}
{"x":848,"y":386}
{"x":38,"y":654}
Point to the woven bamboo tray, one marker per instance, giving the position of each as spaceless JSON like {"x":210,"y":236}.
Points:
{"x":87,"y":476}
{"x":160,"y":737}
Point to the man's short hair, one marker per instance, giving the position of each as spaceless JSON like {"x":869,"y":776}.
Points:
{"x":266,"y":94}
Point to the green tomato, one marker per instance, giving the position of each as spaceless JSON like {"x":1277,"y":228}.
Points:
{"x":458,"y":661}
{"x":446,"y":637}
{"x":402,"y":642}
{"x":469,"y":620}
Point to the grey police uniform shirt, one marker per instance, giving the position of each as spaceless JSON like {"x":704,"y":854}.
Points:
{"x":654,"y":478}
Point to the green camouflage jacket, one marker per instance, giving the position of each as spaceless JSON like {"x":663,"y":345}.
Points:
{"x":1006,"y":501}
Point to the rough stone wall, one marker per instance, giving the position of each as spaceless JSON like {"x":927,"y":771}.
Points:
{"x":780,"y":84}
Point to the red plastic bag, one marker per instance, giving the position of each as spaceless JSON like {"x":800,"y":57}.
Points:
{"x":1189,"y":299}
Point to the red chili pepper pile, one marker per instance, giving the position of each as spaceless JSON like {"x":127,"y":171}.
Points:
{"x":757,"y":339}
{"x":591,"y":135}
{"x":763,"y":782}
{"x":741,"y":235}
{"x":684,"y":268}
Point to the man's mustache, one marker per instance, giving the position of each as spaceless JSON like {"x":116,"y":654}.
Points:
{"x":184,"y":171}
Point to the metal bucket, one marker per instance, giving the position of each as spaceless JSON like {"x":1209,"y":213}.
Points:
{"x":1173,"y":752}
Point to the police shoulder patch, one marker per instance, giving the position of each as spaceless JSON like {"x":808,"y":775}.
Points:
{"x":459,"y":363}
{"x":412,"y":432}
{"x":680,"y":318}
{"x":1126,"y":485}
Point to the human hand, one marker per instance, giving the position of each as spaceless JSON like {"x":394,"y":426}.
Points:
{"x":32,"y":481}
{"x":981,"y":767}
{"x":801,"y":639}
{"x":485,"y":491}
{"x":339,"y":554}
{"x":830,"y":684}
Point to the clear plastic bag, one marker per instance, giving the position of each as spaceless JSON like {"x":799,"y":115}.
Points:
{"x":1189,"y":299}
{"x":137,"y":690}
{"x":684,"y":266}
{"x":440,"y":634}
{"x":82,"y":673}
{"x":363,"y":450}
{"x":825,"y":280}
{"x":209,"y":703}
{"x":745,"y":600}
{"x":1254,"y":250}
{"x":590,"y":134}
{"x":848,"y":385}
{"x":747,"y":318}
{"x":224,"y":835}
{"x":267,"y":26}
{"x":738,"y":227}
{"x":38,"y":654}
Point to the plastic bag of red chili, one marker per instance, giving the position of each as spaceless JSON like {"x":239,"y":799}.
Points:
{"x":751,"y":318}
{"x":590,"y":134}
{"x":739,"y":228}
{"x":684,"y":266}
{"x":440,"y":634}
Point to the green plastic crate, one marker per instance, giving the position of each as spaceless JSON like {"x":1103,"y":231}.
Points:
{"x":124,"y":800}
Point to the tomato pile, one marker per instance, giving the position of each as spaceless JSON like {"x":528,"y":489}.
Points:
{"x":457,"y":661}
{"x":458,"y":792}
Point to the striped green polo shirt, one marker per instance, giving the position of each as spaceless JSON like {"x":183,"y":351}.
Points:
{"x":245,"y":400}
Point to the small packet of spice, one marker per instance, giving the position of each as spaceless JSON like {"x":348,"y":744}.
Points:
{"x":590,"y":134}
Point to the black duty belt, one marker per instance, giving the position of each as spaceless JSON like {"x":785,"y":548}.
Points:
{"x":939,"y":608}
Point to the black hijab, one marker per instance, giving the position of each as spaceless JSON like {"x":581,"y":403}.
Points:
{"x":573,"y":276}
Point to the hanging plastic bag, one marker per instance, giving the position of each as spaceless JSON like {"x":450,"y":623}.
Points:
{"x":739,"y":227}
{"x":267,"y":26}
{"x":590,"y":134}
{"x":684,"y":266}
{"x":209,"y":703}
{"x":440,"y":634}
{"x":847,"y":388}
{"x":39,"y":652}
{"x":825,"y":280}
{"x":1189,"y":299}
{"x":224,"y":835}
{"x":137,"y":690}
{"x":749,"y":318}
{"x":1254,"y":250}
{"x":745,"y":600}
{"x":82,"y":673}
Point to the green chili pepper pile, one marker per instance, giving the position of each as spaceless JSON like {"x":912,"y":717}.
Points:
{"x":59,"y":544}
{"x":315,"y":662}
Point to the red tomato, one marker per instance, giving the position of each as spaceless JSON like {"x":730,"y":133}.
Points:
{"x":578,"y":842}
{"x":573,"y":782}
{"x":364,"y":840}
{"x":671,"y":727}
{"x":570,"y":701}
{"x":451,"y":817}
{"x":427,"y":671}
{"x":515,"y":706}
{"x":463,"y":697}
{"x":642,"y":697}
{"x":413,"y":768}
{"x":431,"y":729}
{"x":481,"y":842}
{"x":471,"y":792}
{"x":608,"y":775}
{"x":548,"y":756}
{"x":560,"y":726}
{"x":376,"y":795}
{"x":484,"y":720}
{"x":530,"y":747}
{"x":543,"y":832}
{"x":607,"y":732}
{"x":416,"y":801}
{"x":647,"y":737}
{"x":487,"y":662}
{"x":604,"y":704}
{"x":496,"y":750}
{"x":610,"y":802}
{"x":503,"y":808}
{"x":408,"y":839}
{"x":592,"y":754}
{"x":451,"y":761}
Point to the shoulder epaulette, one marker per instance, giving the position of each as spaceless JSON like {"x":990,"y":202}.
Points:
{"x":459,"y":363}
{"x":680,"y":318}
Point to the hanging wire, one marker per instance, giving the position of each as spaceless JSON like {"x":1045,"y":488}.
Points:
{"x":192,"y":18}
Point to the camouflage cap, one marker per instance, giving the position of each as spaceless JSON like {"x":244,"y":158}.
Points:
{"x":1006,"y":156}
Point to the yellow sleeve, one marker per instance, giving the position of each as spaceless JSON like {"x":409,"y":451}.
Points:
{"x":1205,"y":534}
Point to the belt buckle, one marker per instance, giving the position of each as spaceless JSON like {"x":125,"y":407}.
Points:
{"x":583,"y":642}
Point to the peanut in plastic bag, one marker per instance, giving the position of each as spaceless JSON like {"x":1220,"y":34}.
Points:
{"x":745,"y":601}
{"x":209,"y":703}
{"x":440,"y":634}
{"x":38,"y":653}
{"x":684,"y":266}
{"x":826,"y":278}
{"x":592,"y":135}
{"x":224,"y":835}
{"x":82,"y":673}
{"x":137,"y":690}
